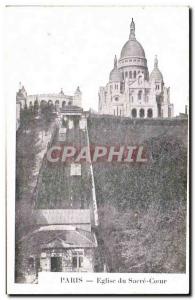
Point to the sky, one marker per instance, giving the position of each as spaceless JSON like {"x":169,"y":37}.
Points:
{"x":49,"y":48}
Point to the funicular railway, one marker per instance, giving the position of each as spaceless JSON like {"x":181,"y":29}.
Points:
{"x":64,"y":239}
{"x":57,"y":188}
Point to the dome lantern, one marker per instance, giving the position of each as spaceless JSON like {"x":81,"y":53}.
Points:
{"x":132,"y":48}
{"x":115,"y":62}
{"x":155,"y":62}
{"x":132,"y":30}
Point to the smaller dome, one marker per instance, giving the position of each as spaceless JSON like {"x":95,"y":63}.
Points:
{"x":156,"y":74}
{"x":115,"y":75}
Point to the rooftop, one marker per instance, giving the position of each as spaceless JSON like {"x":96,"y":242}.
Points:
{"x":61,"y":216}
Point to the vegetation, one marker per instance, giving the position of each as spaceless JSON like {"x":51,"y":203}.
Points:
{"x":29,"y":143}
{"x":142,"y":207}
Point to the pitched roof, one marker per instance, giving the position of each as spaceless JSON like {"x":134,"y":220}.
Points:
{"x":59,"y":237}
{"x":61,"y":216}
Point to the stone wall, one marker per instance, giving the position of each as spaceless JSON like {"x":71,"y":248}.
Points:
{"x":109,"y":129}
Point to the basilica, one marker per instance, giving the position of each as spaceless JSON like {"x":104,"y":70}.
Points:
{"x":131,"y":90}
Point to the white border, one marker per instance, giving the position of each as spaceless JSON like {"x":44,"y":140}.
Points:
{"x":23,"y":289}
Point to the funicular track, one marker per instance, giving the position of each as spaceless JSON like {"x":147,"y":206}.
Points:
{"x":55,"y":187}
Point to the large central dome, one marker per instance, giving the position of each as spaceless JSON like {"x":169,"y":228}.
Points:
{"x":132,"y":47}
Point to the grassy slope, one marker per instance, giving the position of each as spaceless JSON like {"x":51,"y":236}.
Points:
{"x":142,"y":207}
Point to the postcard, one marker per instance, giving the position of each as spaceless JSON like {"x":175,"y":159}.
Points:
{"x":97,"y":149}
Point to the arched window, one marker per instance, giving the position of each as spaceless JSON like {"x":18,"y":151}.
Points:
{"x":63,"y":104}
{"x":50,"y":102}
{"x":36,"y":102}
{"x":130,"y":74}
{"x":43,"y":103}
{"x":139,"y":95}
{"x":141,"y":113}
{"x":116,"y":98}
{"x":150,"y":113}
{"x":57,"y":104}
{"x":69,"y":102}
{"x":31,"y":106}
{"x":134,"y":113}
{"x":132,"y":99}
{"x":169,"y":112}
{"x":126,"y":74}
{"x":134,"y":74}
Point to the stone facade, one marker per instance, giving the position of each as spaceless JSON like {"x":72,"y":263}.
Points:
{"x":68,"y":104}
{"x":62,"y":242}
{"x":57,"y":260}
{"x":60,"y":100}
{"x":131,"y":91}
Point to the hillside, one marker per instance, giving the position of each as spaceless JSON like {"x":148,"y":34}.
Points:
{"x":142,"y":206}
